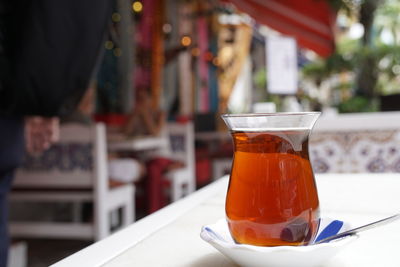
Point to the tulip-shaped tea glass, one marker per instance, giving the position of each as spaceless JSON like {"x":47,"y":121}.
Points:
{"x":272,"y":198}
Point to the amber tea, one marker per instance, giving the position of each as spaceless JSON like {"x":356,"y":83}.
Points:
{"x":272,"y":198}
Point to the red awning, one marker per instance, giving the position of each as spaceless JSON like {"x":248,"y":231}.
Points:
{"x":311,"y":22}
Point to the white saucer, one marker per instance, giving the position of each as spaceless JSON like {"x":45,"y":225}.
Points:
{"x":218,"y":235}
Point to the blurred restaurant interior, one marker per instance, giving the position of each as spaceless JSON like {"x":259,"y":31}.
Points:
{"x":148,"y":130}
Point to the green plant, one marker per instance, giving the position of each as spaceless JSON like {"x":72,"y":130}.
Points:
{"x":358,"y":104}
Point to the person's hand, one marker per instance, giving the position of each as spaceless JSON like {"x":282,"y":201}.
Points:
{"x":40,"y":133}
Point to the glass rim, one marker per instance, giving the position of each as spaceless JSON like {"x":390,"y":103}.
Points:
{"x":227,"y":115}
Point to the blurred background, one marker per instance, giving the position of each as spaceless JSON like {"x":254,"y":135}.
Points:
{"x":189,"y":61}
{"x":190,"y":54}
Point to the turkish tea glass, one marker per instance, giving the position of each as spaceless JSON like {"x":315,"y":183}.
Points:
{"x":272,"y":198}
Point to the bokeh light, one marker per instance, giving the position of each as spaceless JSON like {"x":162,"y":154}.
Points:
{"x":196,"y":51}
{"x":116,"y":17}
{"x":137,"y":6}
{"x":117,"y":52}
{"x":186,"y":41}
{"x":109,"y":45}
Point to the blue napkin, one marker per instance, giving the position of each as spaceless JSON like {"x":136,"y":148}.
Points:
{"x":331,"y":227}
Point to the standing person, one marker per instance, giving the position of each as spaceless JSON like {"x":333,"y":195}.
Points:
{"x":48,"y":51}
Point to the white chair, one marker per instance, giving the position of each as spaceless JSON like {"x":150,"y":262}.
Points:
{"x":181,"y":148}
{"x":74,"y":170}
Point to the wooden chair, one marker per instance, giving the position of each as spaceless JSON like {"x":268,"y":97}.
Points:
{"x":73,"y":170}
{"x":181,"y":148}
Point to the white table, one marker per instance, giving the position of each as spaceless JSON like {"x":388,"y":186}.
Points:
{"x":170,"y":237}
{"x":137,"y":143}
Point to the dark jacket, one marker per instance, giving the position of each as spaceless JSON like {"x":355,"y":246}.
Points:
{"x":48,"y":51}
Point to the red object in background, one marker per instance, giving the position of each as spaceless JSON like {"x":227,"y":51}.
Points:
{"x":203,"y":172}
{"x":112,"y":119}
{"x":311,"y":22}
{"x":156,"y":182}
{"x":203,"y":167}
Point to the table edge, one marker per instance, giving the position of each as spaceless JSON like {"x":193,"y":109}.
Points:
{"x":105,"y":250}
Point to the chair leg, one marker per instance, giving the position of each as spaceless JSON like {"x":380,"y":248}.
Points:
{"x":127,"y":217}
{"x":114,"y":218}
{"x":77,"y":212}
{"x":102,"y":224}
{"x":191,"y":187}
{"x":176,"y":190}
{"x":128,"y":210}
